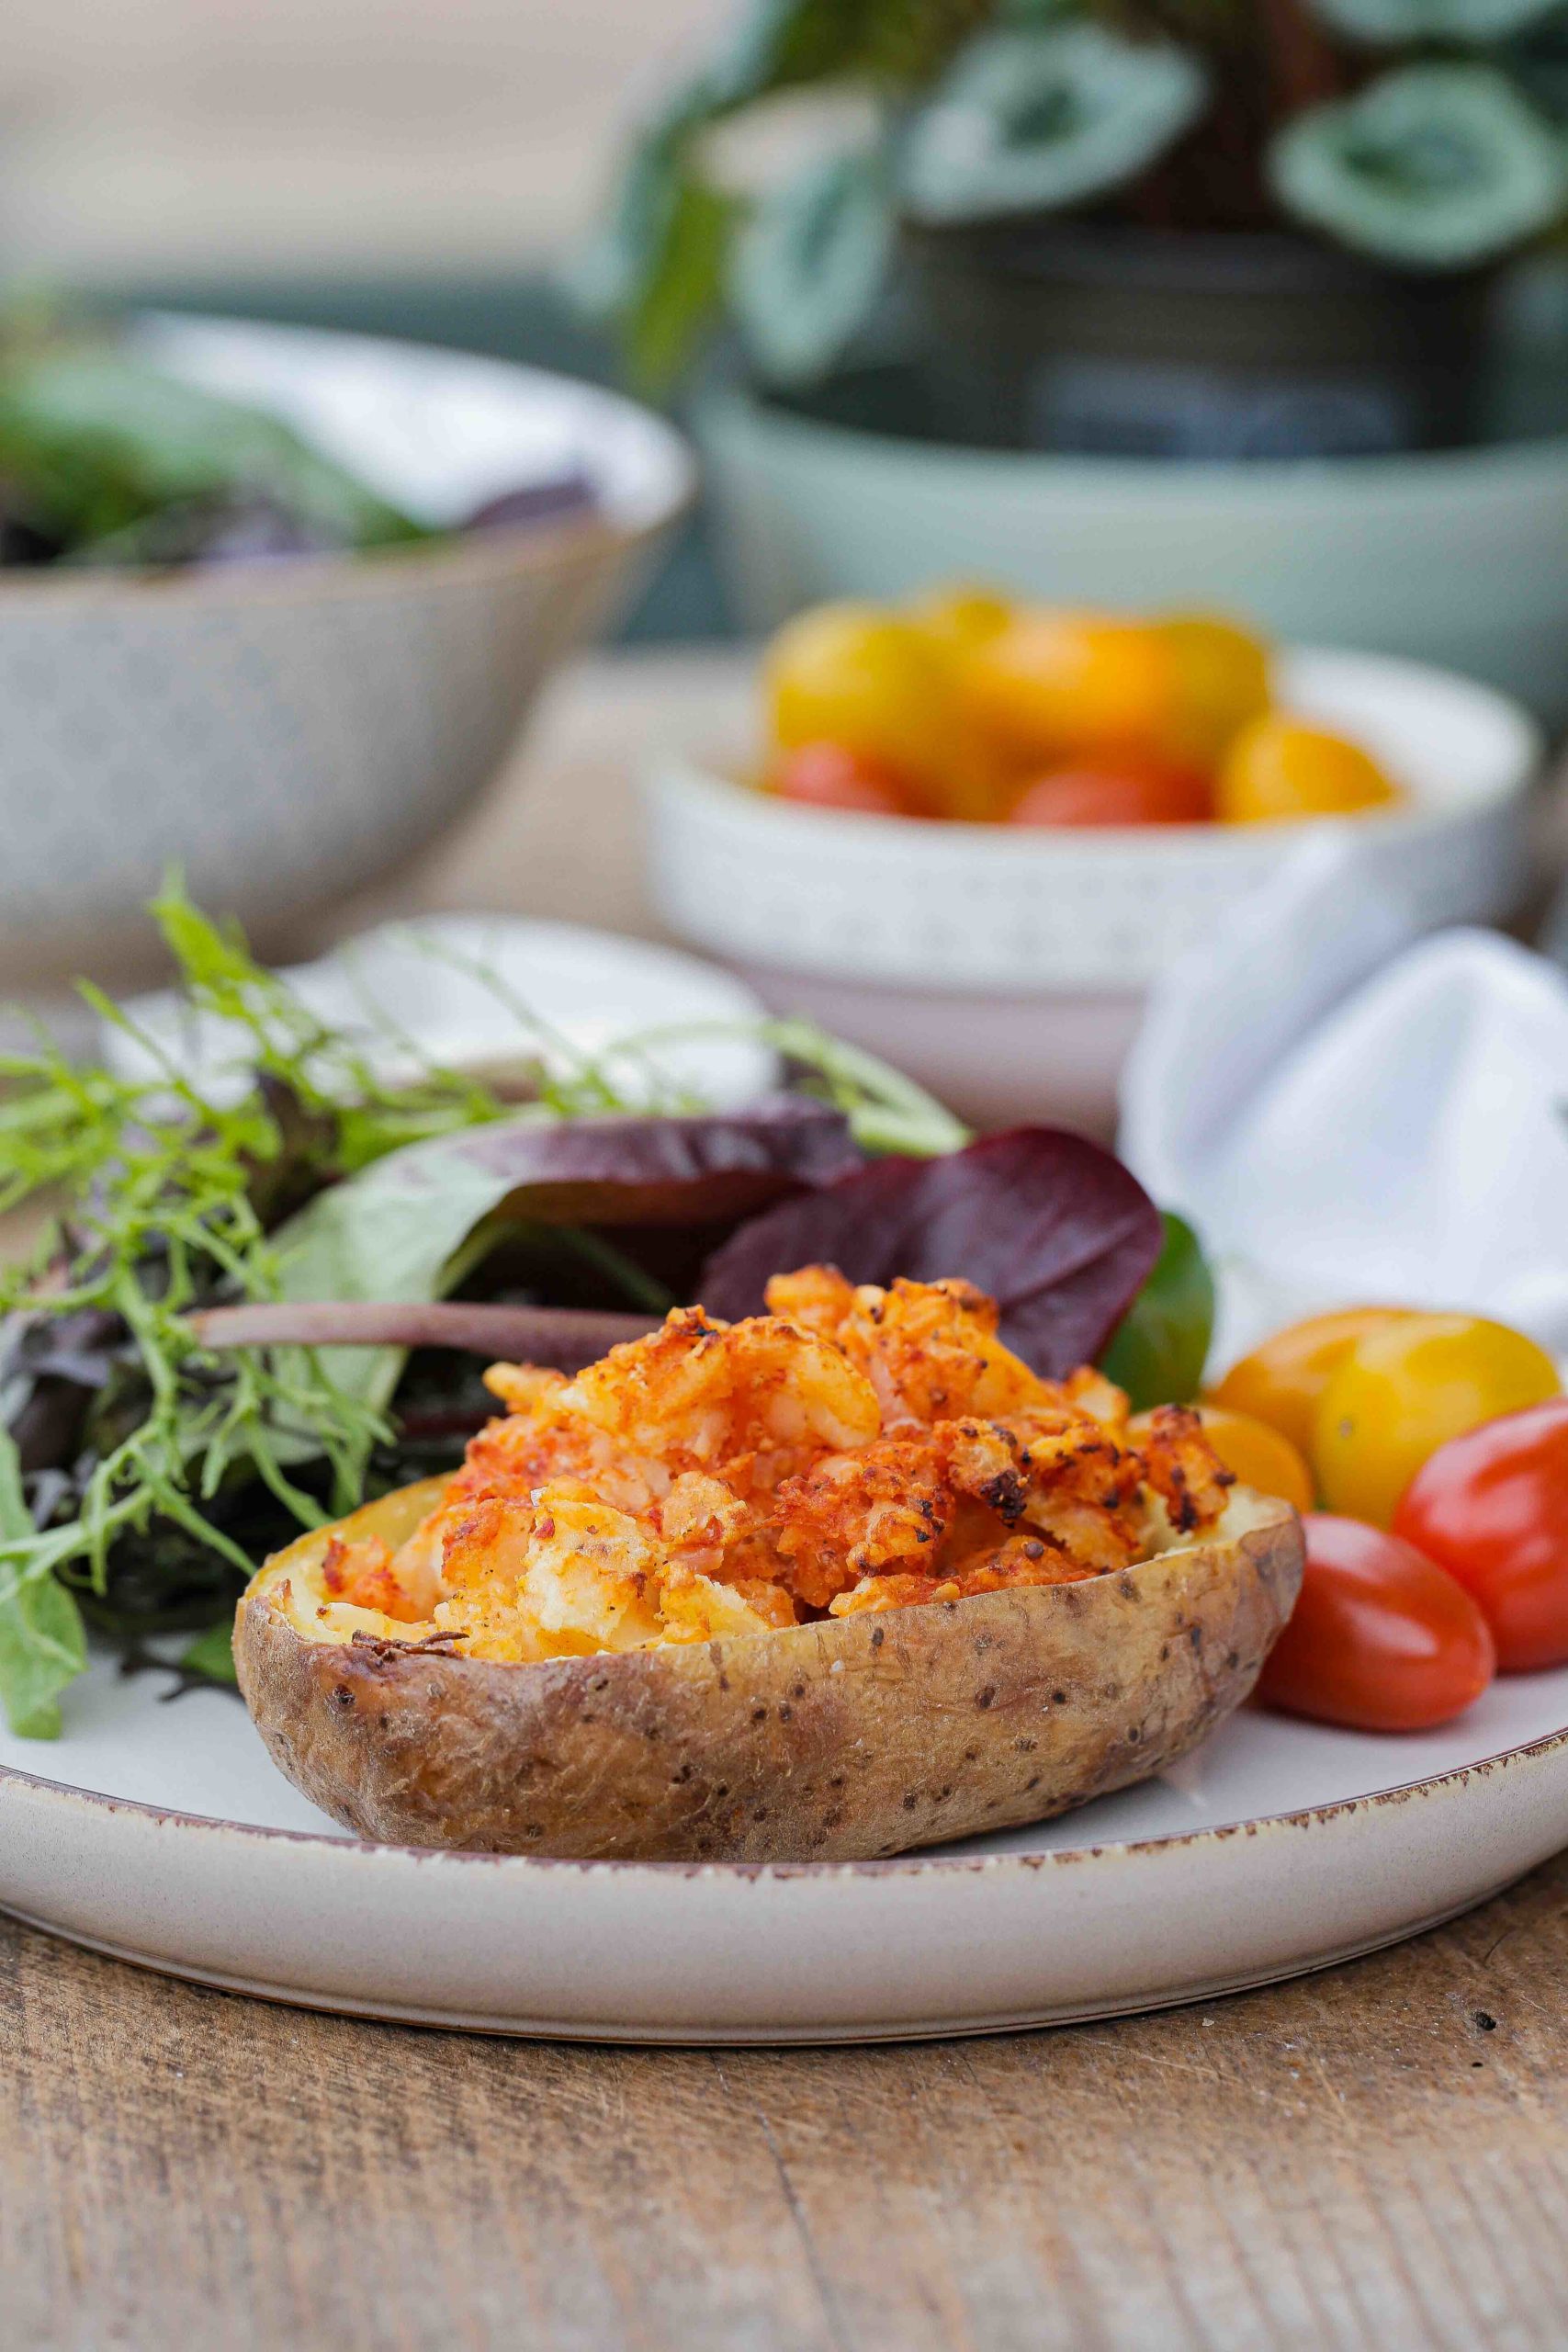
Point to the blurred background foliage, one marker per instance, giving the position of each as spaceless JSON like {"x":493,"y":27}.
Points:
{"x":424,"y":169}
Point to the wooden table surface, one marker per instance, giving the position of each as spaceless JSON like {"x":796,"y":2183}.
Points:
{"x":1375,"y":2157}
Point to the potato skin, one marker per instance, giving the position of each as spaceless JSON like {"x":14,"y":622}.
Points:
{"x":859,"y":1736}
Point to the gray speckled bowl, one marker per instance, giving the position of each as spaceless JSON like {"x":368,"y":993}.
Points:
{"x":287,"y":730}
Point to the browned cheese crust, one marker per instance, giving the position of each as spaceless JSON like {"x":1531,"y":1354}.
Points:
{"x":858,"y":1737}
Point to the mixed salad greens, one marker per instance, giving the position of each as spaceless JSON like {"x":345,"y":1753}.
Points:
{"x":105,"y":459}
{"x":148,"y":1462}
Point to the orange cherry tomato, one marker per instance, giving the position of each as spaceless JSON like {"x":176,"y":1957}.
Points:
{"x":1402,"y":1392}
{"x":1115,"y":792}
{"x":1381,"y":1639}
{"x":1053,"y":685}
{"x":1257,"y":1454}
{"x":1221,"y":684}
{"x":1279,"y":771}
{"x":1282,"y":1381}
{"x":829,"y":775}
{"x":1492,"y":1508}
{"x":871,"y":682}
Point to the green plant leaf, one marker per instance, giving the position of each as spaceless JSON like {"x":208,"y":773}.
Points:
{"x":1159,"y":1352}
{"x":679,"y":297}
{"x":809,"y":264}
{"x":780,"y":44}
{"x":607,"y":278}
{"x":212,"y":1652}
{"x":1432,"y":167}
{"x":1032,"y":121}
{"x":1456,"y":20}
{"x":42,"y":1643}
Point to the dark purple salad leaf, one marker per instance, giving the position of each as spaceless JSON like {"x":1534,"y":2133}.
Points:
{"x":51,"y":1369}
{"x":1054,"y":1228}
{"x":630,"y":1171}
{"x":572,"y":492}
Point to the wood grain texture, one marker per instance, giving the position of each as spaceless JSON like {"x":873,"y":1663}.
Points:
{"x":1376,"y":2157}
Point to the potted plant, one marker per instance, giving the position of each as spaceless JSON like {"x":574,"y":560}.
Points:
{"x":1089,"y":237}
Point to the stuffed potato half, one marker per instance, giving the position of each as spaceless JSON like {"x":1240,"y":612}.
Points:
{"x":844,"y":1739}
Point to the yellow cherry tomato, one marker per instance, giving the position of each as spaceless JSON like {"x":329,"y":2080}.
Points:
{"x":1221,"y":684}
{"x":958,"y":618}
{"x":1282,"y":1381}
{"x":1051,"y":684}
{"x":1258,"y":1455}
{"x":1402,"y":1392}
{"x":869,"y":681}
{"x":981,"y":780}
{"x":1279,"y":770}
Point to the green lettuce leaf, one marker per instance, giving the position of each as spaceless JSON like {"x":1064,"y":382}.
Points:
{"x":212,"y":1652}
{"x":96,"y":440}
{"x":42,"y":1643}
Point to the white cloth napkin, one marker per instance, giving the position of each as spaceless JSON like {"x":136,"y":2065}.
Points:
{"x":1353,"y":1115}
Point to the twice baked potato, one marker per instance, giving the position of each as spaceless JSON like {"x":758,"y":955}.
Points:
{"x":855,"y":1737}
{"x":841,"y":1580}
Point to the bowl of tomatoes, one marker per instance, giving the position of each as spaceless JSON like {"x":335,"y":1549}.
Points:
{"x":970,"y":835}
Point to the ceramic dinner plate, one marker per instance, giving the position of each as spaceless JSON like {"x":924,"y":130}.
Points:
{"x":161,"y":1832}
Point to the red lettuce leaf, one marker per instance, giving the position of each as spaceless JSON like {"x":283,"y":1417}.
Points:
{"x":395,"y":1231}
{"x":639,"y":1171}
{"x":1056,"y":1231}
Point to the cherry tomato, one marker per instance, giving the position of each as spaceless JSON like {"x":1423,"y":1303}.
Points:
{"x":1402,"y":1391}
{"x":1115,"y":792}
{"x":1381,"y":1639}
{"x":1282,"y":1381}
{"x":1279,"y":770}
{"x":829,"y":775}
{"x":1055,"y":685}
{"x":1492,"y":1508}
{"x":1258,"y":1455}
{"x":1221,"y":684}
{"x":870,"y":681}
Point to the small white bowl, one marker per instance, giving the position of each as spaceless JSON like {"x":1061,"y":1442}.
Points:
{"x":287,"y":730}
{"x":1007,"y":969}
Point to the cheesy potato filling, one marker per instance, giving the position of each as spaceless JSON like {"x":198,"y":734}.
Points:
{"x":853,"y":1449}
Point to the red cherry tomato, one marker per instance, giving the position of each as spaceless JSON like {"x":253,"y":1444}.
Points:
{"x":1381,"y":1639}
{"x":1492,"y":1508}
{"x":1117,"y":792}
{"x":831,"y":776}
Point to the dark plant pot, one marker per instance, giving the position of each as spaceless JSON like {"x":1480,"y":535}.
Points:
{"x":1111,"y":342}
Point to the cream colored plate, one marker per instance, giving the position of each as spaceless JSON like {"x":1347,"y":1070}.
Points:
{"x":161,"y":1833}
